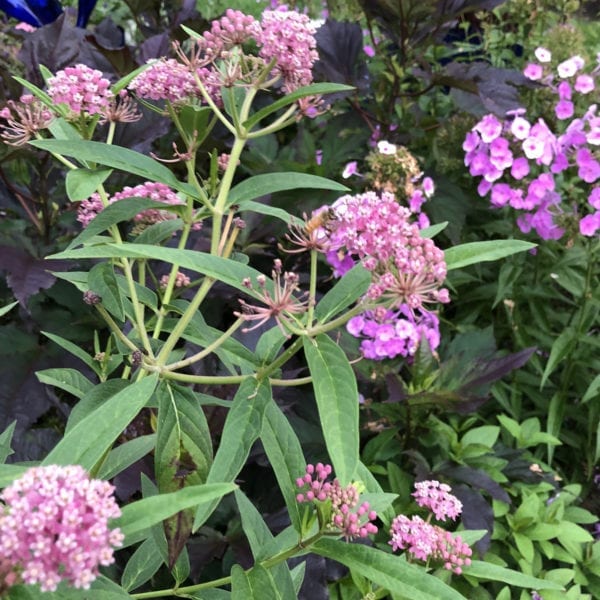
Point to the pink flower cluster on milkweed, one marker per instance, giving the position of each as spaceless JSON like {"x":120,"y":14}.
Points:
{"x":54,"y":526}
{"x":424,"y":541}
{"x":349,"y":516}
{"x":285,"y":41}
{"x":548,"y":171}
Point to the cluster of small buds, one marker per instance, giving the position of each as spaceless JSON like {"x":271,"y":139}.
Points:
{"x":281,"y":305}
{"x":437,"y":498}
{"x":24,"y":119}
{"x":88,"y":209}
{"x":423,"y":541}
{"x":181,"y":280}
{"x":387,"y":334}
{"x":348,"y":516}
{"x":523,"y":164}
{"x":288,"y":37}
{"x":234,"y":28}
{"x":54,"y":526}
{"x":395,"y":170}
{"x":8,"y":576}
{"x":165,"y":79}
{"x":83,"y":89}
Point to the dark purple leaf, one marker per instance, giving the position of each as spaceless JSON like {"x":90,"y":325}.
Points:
{"x":475,"y":478}
{"x":477,"y":514}
{"x":27,"y":275}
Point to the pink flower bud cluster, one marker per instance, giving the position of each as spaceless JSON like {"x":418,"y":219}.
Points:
{"x":54,"y":526}
{"x":388,"y":334}
{"x":89,"y":209}
{"x":165,"y":79}
{"x":288,"y":37}
{"x":234,"y":28}
{"x":424,"y":541}
{"x":524,"y":163}
{"x":350,"y":518}
{"x":181,"y":280}
{"x":83,"y":89}
{"x":437,"y":498}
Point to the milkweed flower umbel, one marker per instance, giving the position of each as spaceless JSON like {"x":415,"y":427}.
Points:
{"x":54,"y":526}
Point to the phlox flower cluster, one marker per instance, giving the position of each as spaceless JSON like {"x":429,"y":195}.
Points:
{"x":348,"y":516}
{"x":407,"y":271}
{"x":89,"y":209}
{"x":83,"y":89}
{"x":548,"y":171}
{"x":424,"y":541}
{"x":284,"y":38}
{"x":23,"y":120}
{"x":54,"y":526}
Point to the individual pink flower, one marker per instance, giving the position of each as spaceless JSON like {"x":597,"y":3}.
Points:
{"x":520,"y":128}
{"x":564,"y":109}
{"x":54,"y":526}
{"x":83,"y":89}
{"x":350,"y":169}
{"x":533,"y":71}
{"x":384,"y":147}
{"x":489,"y":128}
{"x":543,"y":55}
{"x":569,"y":67}
{"x":590,"y":224}
{"x":584,"y":84}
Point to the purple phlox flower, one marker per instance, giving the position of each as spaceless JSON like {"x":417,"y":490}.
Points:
{"x":590,"y":224}
{"x":520,"y":168}
{"x":560,"y":163}
{"x":520,"y":128}
{"x":569,"y":67}
{"x":501,"y":194}
{"x":384,"y":147}
{"x":589,"y":167}
{"x":428,"y":186}
{"x":369,"y":50}
{"x":489,"y":128}
{"x":564,"y":109}
{"x":54,"y":526}
{"x":594,"y":199}
{"x":543,"y":55}
{"x":533,"y":71}
{"x":584,"y":84}
{"x":350,"y":169}
{"x":564,"y":90}
{"x":319,"y":157}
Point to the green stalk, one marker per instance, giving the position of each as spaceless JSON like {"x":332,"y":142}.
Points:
{"x":312,"y":290}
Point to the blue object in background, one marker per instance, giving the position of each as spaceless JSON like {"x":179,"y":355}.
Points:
{"x":42,"y":12}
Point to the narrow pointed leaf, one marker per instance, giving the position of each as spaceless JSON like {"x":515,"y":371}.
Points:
{"x":476,"y":252}
{"x":82,"y":183}
{"x":485,"y":570}
{"x":336,"y":393}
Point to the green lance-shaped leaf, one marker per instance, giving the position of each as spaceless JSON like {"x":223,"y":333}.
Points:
{"x":488,"y":571}
{"x":336,"y":393}
{"x":141,"y":515}
{"x":269,"y":183}
{"x":6,"y":441}
{"x":182,"y":458}
{"x":116,"y":157}
{"x":476,"y":252}
{"x":266,"y":209}
{"x":82,"y":183}
{"x":142,"y":565}
{"x":117,"y":212}
{"x":7,"y":308}
{"x":74,"y":349}
{"x":561,"y":348}
{"x":348,"y":289}
{"x":387,"y":570}
{"x":103,"y":282}
{"x":86,"y":442}
{"x":101,"y":589}
{"x":302,"y":92}
{"x":8,"y":473}
{"x":70,"y":380}
{"x":242,"y":428}
{"x":126,"y":454}
{"x":285,"y":456}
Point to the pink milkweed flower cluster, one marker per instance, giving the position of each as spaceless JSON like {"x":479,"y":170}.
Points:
{"x":54,"y":526}
{"x":24,"y":120}
{"x":407,"y":272}
{"x":89,"y":209}
{"x":548,"y":171}
{"x":285,"y":41}
{"x":84,"y":90}
{"x":348,"y":516}
{"x":424,"y":541}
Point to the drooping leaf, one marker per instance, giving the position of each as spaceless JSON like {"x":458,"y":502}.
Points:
{"x":70,"y":380}
{"x":336,"y":394}
{"x":142,"y":565}
{"x":126,"y":454}
{"x":82,"y":183}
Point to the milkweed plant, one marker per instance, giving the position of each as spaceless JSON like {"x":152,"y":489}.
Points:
{"x":148,"y":281}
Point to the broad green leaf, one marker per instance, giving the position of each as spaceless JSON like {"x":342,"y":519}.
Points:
{"x":157,"y":233}
{"x":337,"y":400}
{"x":269,"y":183}
{"x":222,"y":269}
{"x":476,"y":252}
{"x":145,"y":513}
{"x":266,"y":209}
{"x":75,"y":350}
{"x":307,"y":90}
{"x":561,"y":347}
{"x":211,"y":594}
{"x":87,"y":441}
{"x":142,"y":565}
{"x":103,"y":282}
{"x":269,"y":344}
{"x":5,"y":442}
{"x":183,"y":455}
{"x":8,"y":473}
{"x":117,"y":212}
{"x":61,"y":129}
{"x":82,"y":183}
{"x":488,"y":571}
{"x":242,"y":428}
{"x":264,"y":584}
{"x":240,"y":586}
{"x":126,"y":454}
{"x":7,"y":308}
{"x":346,"y":291}
{"x":116,"y":157}
{"x":70,"y":380}
{"x":254,"y":526}
{"x":433,"y":230}
{"x":593,"y":389}
{"x":387,"y":570}
{"x":285,"y":456}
